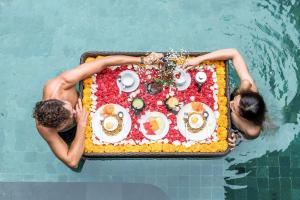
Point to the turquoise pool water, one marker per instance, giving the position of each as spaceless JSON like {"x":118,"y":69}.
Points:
{"x":40,"y":39}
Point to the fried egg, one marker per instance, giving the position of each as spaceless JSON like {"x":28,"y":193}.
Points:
{"x":195,"y":121}
{"x":110,"y":123}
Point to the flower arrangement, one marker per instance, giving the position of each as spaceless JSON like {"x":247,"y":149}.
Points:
{"x":99,"y":90}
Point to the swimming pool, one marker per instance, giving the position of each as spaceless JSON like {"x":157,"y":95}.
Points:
{"x":39,"y":40}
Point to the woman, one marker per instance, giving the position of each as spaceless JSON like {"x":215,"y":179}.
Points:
{"x":246,"y":104}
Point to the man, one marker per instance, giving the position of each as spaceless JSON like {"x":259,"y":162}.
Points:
{"x":61,"y":119}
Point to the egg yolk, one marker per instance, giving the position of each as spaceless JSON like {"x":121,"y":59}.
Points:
{"x":194,"y":120}
{"x":109,"y":125}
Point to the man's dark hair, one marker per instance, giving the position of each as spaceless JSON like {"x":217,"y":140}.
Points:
{"x":51,"y":113}
{"x":252,"y":107}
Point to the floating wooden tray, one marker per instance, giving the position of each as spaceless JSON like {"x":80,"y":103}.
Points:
{"x":85,"y":55}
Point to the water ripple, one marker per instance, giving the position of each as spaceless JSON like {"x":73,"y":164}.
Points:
{"x":275,"y":65}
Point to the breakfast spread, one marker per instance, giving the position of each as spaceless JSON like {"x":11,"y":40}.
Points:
{"x":138,"y":108}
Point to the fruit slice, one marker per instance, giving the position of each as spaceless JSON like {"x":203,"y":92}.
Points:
{"x":147,"y":127}
{"x":108,"y":109}
{"x":197,"y":106}
{"x":154,"y":124}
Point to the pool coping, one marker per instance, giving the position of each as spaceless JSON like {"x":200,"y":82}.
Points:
{"x":154,"y":154}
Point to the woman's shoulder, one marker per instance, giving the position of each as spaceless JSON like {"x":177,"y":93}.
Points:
{"x":248,"y":128}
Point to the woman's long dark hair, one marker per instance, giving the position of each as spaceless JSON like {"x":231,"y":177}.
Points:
{"x":252,"y":107}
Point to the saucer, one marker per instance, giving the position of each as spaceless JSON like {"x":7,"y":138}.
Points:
{"x":98,"y":130}
{"x":131,"y":74}
{"x":159,"y":134}
{"x":187,"y":82}
{"x":208,"y":129}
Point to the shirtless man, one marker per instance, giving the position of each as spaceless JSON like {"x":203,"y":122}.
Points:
{"x":247,"y":105}
{"x":60,"y":110}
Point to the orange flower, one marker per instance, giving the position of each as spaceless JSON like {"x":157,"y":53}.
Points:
{"x":87,"y":82}
{"x":167,"y":147}
{"x":222,"y":133}
{"x":182,"y":148}
{"x":98,"y":149}
{"x":99,"y":57}
{"x":222,"y":100}
{"x":145,"y":148}
{"x":132,"y":148}
{"x":222,"y":121}
{"x":220,"y":71}
{"x":180,"y":60}
{"x":156,"y":147}
{"x":196,"y":148}
{"x":221,"y":91}
{"x":89,"y":59}
{"x":219,"y":146}
{"x":223,"y":110}
{"x":221,"y":83}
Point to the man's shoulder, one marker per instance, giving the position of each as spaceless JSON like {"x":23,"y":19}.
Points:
{"x":46,"y":133}
{"x":52,"y":82}
{"x":52,"y":85}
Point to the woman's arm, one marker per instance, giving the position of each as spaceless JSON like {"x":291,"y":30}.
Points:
{"x":238,"y":63}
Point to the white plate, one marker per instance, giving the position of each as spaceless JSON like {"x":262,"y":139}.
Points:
{"x":205,"y":133}
{"x":98,"y":130}
{"x":135,"y":85}
{"x":188,"y":79}
{"x":162,"y":133}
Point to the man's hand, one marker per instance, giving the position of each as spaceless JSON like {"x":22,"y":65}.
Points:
{"x":153,"y":58}
{"x":190,"y":64}
{"x":232,"y":141}
{"x":81,"y":114}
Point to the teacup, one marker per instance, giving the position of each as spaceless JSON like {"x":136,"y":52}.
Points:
{"x":127,"y":80}
{"x":181,"y":80}
{"x":201,"y":77}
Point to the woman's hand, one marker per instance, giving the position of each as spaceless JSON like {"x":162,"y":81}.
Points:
{"x":190,"y":64}
{"x":153,"y":58}
{"x":81,"y":114}
{"x":232,"y":141}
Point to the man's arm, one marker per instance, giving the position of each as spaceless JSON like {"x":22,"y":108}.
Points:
{"x":73,"y":76}
{"x":238,"y":63}
{"x":70,"y":156}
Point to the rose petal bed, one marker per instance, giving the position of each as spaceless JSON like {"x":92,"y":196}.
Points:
{"x":102,"y":88}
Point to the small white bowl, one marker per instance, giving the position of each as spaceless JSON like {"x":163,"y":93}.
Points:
{"x":201,"y":77}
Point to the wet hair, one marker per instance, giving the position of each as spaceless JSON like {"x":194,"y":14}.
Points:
{"x":51,"y":113}
{"x":252,"y":107}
